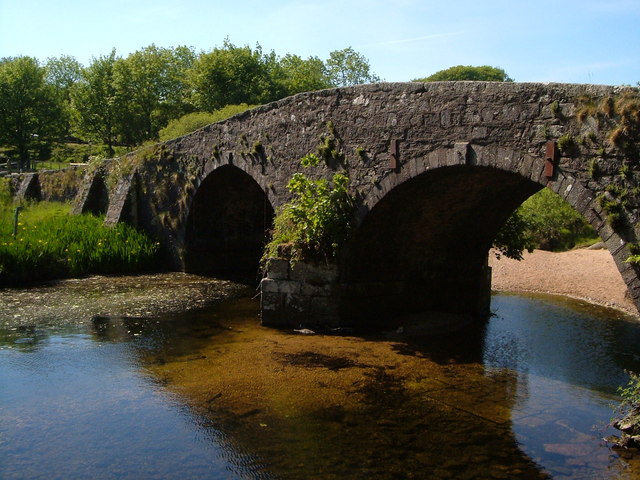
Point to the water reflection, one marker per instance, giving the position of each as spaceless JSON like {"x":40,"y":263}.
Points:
{"x":211,"y":394}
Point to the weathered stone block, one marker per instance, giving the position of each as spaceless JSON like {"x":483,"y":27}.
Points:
{"x":314,"y":274}
{"x":279,"y":286}
{"x":277,"y":269}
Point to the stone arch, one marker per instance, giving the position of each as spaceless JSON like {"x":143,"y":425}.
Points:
{"x":227,"y":223}
{"x":30,"y":188}
{"x":93,"y":195}
{"x":423,"y":234}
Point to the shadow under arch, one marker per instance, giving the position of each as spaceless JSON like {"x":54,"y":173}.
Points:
{"x":227,"y":224}
{"x":424,"y":245}
{"x":97,"y":200}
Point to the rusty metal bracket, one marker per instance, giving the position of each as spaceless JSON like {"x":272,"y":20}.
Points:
{"x":550,"y":157}
{"x":394,"y":156}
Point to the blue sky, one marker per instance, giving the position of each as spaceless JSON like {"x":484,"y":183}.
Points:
{"x":586,"y":41}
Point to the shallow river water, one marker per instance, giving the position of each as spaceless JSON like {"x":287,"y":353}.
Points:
{"x":209,"y":394}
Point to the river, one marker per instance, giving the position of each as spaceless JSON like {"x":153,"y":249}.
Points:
{"x":207,"y":393}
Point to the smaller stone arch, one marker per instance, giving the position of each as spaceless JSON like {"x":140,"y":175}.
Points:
{"x":227,"y":223}
{"x":29,"y":188}
{"x":93,"y":194}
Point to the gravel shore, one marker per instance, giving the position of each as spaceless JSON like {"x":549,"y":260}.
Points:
{"x":586,"y":274}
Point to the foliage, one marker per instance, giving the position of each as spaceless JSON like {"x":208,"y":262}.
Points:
{"x":297,"y":75}
{"x":630,"y":393}
{"x":62,"y":74}
{"x":543,"y":221}
{"x":96,"y":102}
{"x":514,"y":237}
{"x":230,"y":75}
{"x":30,"y":113}
{"x":552,"y":223}
{"x":193,"y":121}
{"x":460,"y":72}
{"x":72,"y":152}
{"x":6,"y":195}
{"x":347,"y":67}
{"x":151,"y":85}
{"x":52,"y":244}
{"x":316,"y":223}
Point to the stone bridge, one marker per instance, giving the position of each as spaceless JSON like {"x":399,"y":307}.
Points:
{"x":437,"y":168}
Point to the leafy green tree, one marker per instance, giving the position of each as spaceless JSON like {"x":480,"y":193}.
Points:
{"x":97,"y":104}
{"x":63,"y":73}
{"x":514,"y":237}
{"x":229,"y":76}
{"x":30,"y":113}
{"x":460,"y":72}
{"x":151,"y":87}
{"x":347,"y":67}
{"x":298,"y":75}
{"x":552,"y":223}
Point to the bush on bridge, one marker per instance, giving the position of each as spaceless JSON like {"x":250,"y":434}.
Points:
{"x":316,"y":223}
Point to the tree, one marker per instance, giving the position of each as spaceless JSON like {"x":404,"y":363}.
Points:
{"x":30,"y":113}
{"x":298,"y":75}
{"x":151,"y":86}
{"x":552,"y":223}
{"x":230,"y":75}
{"x":347,"y":67}
{"x":63,"y":73}
{"x":96,"y":101}
{"x":484,"y":73}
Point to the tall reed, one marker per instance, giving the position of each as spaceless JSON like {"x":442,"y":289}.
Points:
{"x":50,"y":243}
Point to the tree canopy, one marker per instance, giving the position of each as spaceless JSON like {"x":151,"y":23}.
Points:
{"x":126,"y":101}
{"x":30,"y":115}
{"x":460,"y":72}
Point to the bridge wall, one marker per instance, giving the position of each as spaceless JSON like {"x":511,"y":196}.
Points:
{"x":408,"y":149}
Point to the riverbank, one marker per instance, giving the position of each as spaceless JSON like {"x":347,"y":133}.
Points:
{"x":584,"y":274}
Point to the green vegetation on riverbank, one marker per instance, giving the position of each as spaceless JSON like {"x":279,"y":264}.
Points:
{"x":552,"y":224}
{"x":50,"y":243}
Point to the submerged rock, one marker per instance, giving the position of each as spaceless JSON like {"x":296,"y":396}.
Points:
{"x":629,"y":425}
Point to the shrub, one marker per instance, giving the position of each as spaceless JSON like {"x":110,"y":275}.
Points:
{"x":193,"y":121}
{"x":316,"y":223}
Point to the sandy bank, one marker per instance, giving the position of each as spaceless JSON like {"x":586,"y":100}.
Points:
{"x":586,"y":274}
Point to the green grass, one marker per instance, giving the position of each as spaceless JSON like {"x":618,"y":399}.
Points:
{"x":50,"y":244}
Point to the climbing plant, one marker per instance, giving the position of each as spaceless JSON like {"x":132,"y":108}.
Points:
{"x":316,"y":223}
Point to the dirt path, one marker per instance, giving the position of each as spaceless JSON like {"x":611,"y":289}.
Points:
{"x":587,"y":274}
